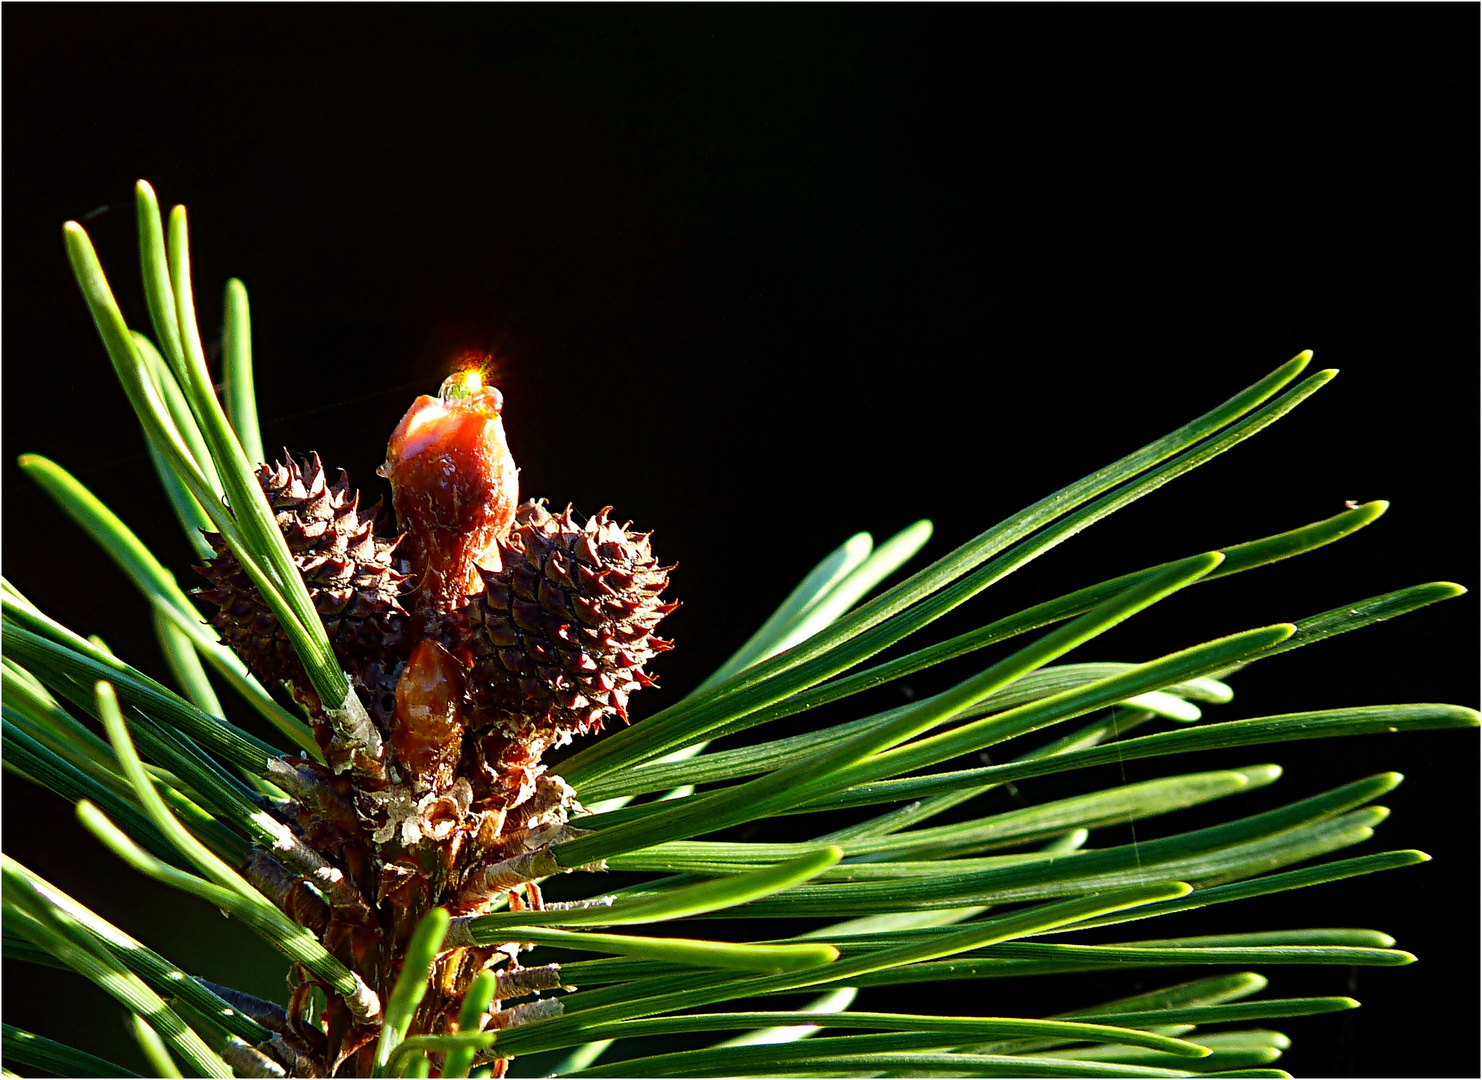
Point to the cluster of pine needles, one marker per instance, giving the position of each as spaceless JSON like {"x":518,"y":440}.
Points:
{"x":172,"y":789}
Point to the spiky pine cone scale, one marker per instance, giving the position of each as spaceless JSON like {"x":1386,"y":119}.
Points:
{"x":351,"y":576}
{"x":561,"y":632}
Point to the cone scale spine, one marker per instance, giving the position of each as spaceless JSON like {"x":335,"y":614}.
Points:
{"x":485,"y":633}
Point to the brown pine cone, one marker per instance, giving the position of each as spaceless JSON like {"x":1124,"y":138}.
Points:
{"x":561,"y":632}
{"x":351,"y":578}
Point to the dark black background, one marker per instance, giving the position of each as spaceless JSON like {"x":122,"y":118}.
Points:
{"x":763,"y":276}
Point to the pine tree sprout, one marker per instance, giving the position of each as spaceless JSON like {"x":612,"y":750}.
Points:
{"x":397,"y":836}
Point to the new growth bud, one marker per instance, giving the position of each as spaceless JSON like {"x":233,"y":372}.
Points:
{"x":429,"y":716}
{"x":454,"y":485}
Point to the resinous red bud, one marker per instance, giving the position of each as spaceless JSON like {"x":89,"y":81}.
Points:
{"x":454,"y":485}
{"x":428,"y":735}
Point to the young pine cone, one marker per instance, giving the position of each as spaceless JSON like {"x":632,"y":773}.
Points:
{"x":351,"y":577}
{"x":562,"y":630}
